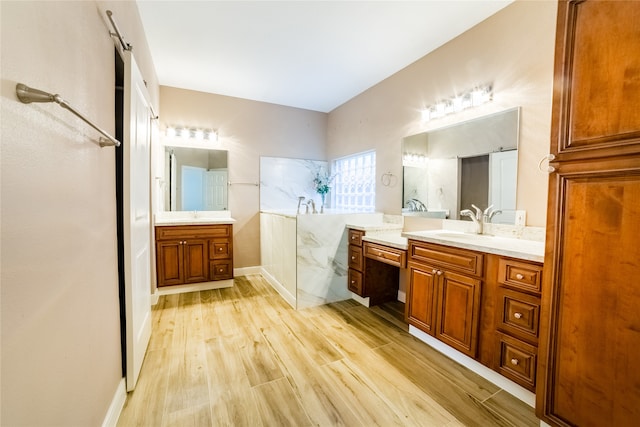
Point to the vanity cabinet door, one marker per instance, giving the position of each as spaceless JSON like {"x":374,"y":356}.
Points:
{"x":195,"y":261}
{"x":458,"y":311}
{"x":170,"y":260}
{"x":421,"y":298}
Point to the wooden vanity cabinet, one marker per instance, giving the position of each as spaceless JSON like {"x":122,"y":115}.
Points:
{"x":517,"y":320}
{"x":356,"y":262}
{"x":374,"y":269}
{"x":443,"y":297}
{"x":193,"y":253}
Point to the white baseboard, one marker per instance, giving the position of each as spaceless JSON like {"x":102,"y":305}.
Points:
{"x":504,"y":383}
{"x":361,"y":300}
{"x":117,"y":403}
{"x":402,"y":296}
{"x":193,"y":287}
{"x":284,"y":293}
{"x":245,"y":271}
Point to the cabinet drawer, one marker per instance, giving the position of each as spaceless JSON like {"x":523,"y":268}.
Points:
{"x":355,"y":237}
{"x":219,"y":270}
{"x":192,"y":231}
{"x":385,"y":254}
{"x":355,"y":282}
{"x":517,"y":361}
{"x":460,"y":260}
{"x":520,"y":275}
{"x":219,"y":249}
{"x":519,"y":314}
{"x":355,"y":257}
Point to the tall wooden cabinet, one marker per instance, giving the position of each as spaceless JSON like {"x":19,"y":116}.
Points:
{"x":590,"y":322}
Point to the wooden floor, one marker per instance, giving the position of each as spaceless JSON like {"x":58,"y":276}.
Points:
{"x":242,"y":357}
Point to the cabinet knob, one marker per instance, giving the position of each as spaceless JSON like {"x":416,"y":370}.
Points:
{"x":439,"y":273}
{"x":379,"y":253}
{"x":353,"y":257}
{"x":519,"y":276}
{"x":353,"y":282}
{"x":221,"y":270}
{"x":434,"y":271}
{"x":515,"y":361}
{"x":353,"y":237}
{"x":219,"y":249}
{"x":517,"y":315}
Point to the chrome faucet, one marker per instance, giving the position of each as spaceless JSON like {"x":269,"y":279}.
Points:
{"x":489,"y":213}
{"x":476,"y":218}
{"x":480,"y":218}
{"x":417,"y":205}
{"x":300,"y":200}
{"x":313,"y":206}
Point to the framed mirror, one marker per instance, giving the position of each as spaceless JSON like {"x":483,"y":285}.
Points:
{"x":196,"y":179}
{"x":475,"y":162}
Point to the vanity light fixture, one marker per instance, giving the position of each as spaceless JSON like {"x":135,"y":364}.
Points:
{"x":471,"y":98}
{"x":414,"y":159}
{"x":187,"y":133}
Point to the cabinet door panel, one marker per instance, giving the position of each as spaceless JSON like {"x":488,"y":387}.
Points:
{"x":420,"y":310}
{"x":196,"y":261}
{"x":169,"y":264}
{"x":600,"y":105}
{"x":595,"y":304}
{"x":458,"y":312}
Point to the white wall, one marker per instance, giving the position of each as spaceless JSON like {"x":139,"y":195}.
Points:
{"x":512,"y":49}
{"x":61,"y":360}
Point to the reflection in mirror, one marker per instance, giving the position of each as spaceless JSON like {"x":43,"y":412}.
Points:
{"x":196,"y":179}
{"x":474,"y":162}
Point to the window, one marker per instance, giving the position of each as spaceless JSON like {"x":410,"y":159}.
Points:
{"x":355,"y":182}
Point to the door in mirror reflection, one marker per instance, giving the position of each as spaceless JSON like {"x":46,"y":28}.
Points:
{"x":196,"y":179}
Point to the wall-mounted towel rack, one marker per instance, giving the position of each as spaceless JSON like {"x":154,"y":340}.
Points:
{"x":256,"y":184}
{"x":28,"y":95}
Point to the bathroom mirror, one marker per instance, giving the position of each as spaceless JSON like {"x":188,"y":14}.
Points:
{"x":195,"y":179}
{"x":472,"y":162}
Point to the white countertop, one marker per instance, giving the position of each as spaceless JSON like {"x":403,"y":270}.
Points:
{"x":193,"y":218}
{"x":516,"y":248}
{"x":394,"y":240}
{"x":376,"y":226}
{"x":194,"y":221}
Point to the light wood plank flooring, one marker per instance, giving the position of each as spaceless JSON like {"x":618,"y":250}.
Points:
{"x":242,"y":357}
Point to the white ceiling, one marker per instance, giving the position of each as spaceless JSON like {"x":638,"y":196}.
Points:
{"x":314,"y":55}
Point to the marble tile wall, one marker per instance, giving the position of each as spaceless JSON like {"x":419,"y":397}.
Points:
{"x":304,"y":257}
{"x":283,"y":180}
{"x":322,"y":247}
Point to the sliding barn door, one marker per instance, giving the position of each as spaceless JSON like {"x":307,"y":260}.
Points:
{"x":137,"y":218}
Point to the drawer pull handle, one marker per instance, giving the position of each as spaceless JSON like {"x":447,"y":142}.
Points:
{"x":519,"y":276}
{"x":517,"y":315}
{"x":379,"y":253}
{"x":515,"y":361}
